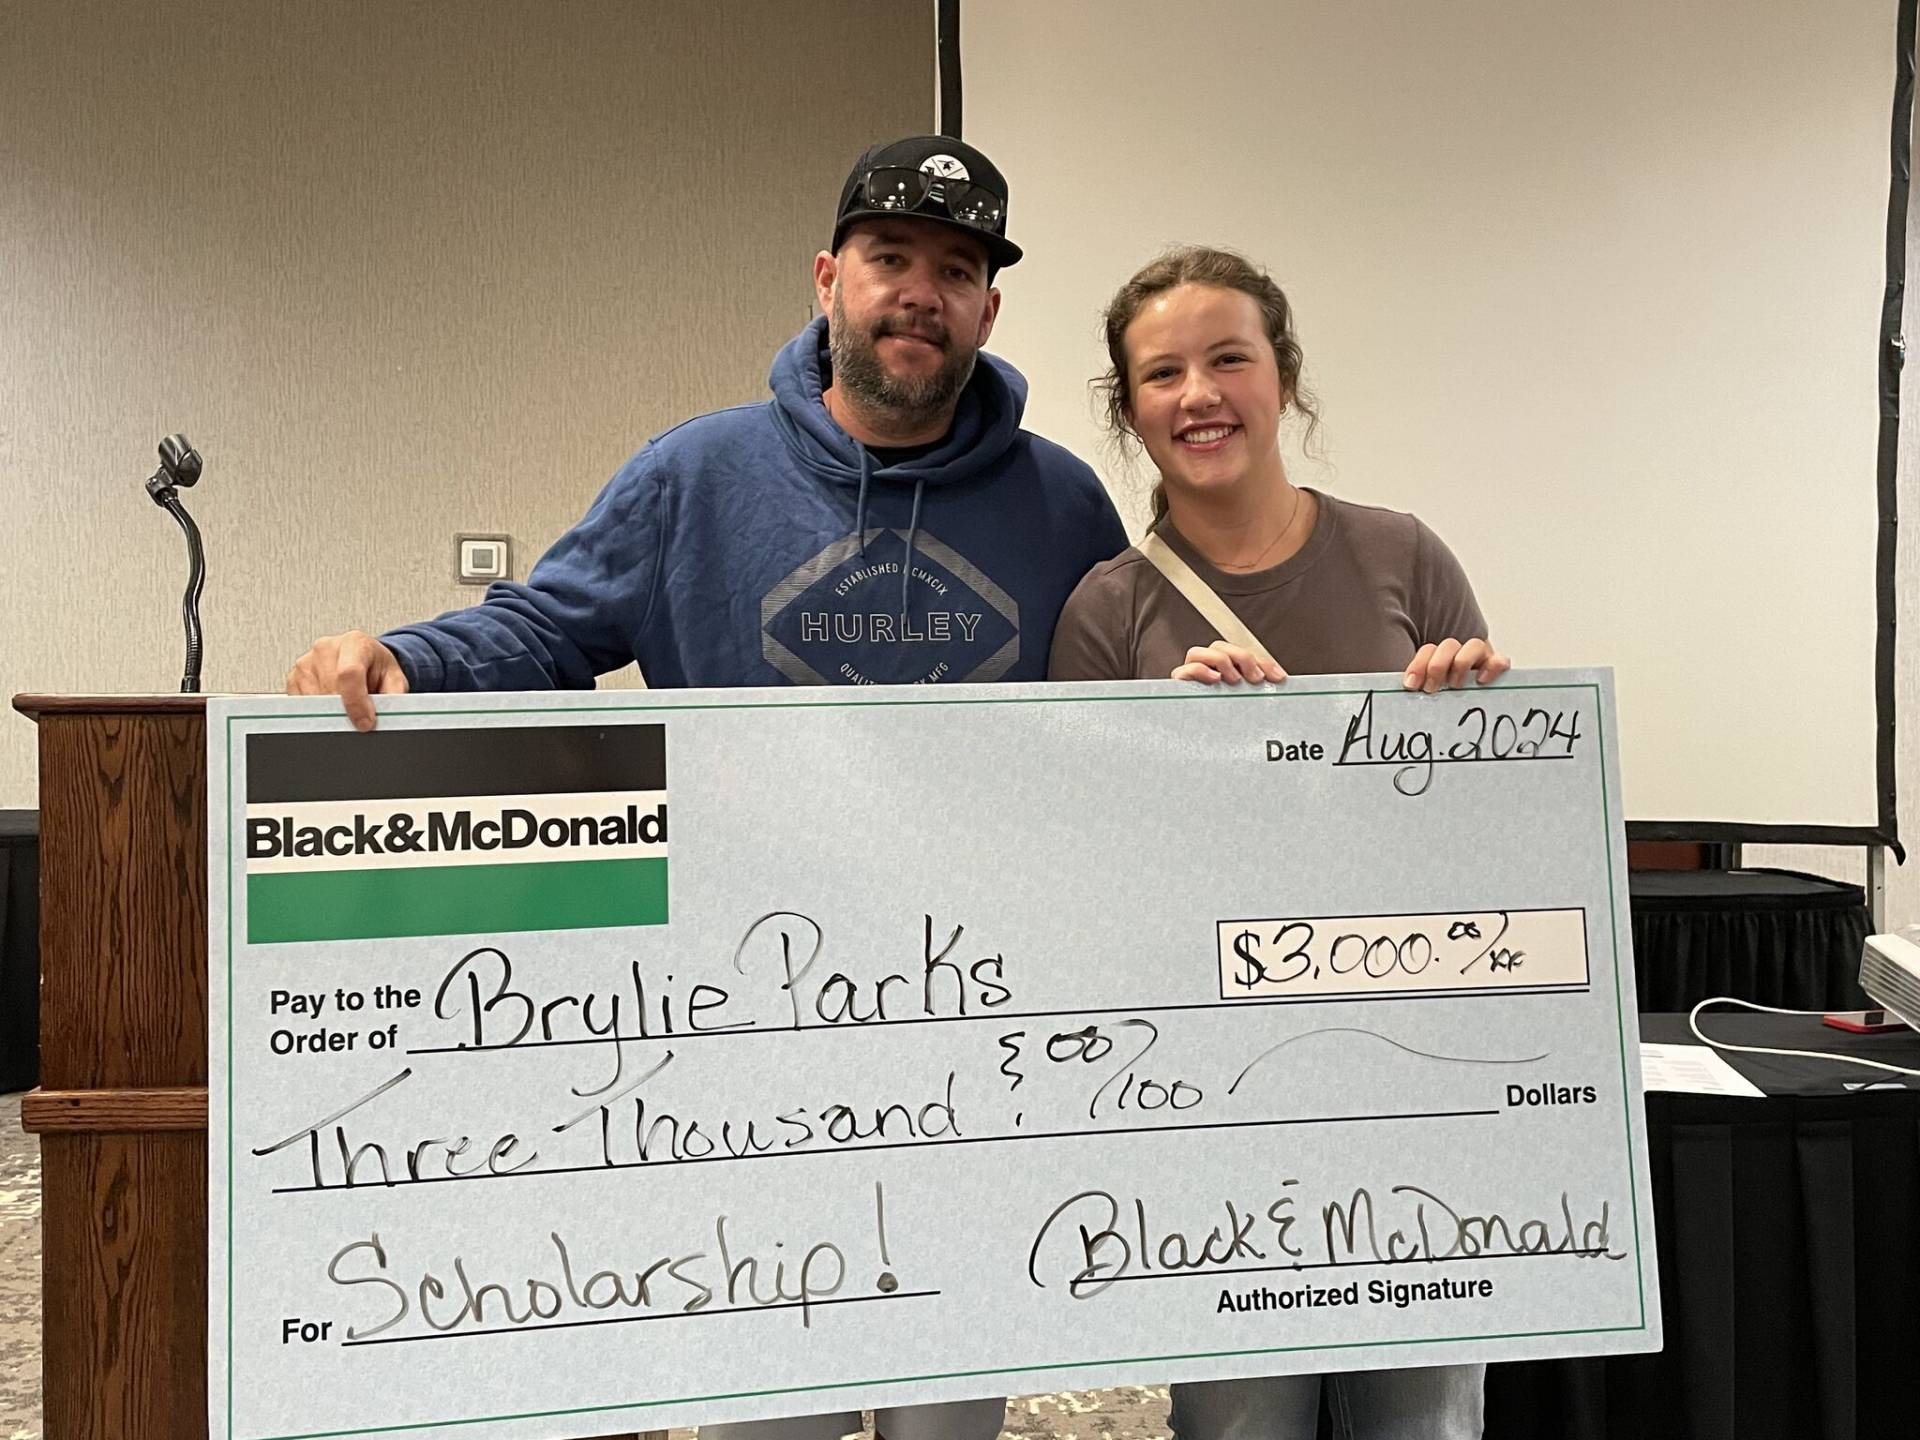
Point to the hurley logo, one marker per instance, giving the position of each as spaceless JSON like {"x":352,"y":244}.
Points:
{"x":455,"y":832}
{"x":839,"y":618}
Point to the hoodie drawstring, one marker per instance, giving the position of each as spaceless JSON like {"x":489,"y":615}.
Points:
{"x":860,"y":505}
{"x":913,"y":534}
{"x":913,"y":527}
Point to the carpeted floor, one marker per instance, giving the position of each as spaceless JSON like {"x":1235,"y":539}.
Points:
{"x":1132,"y":1413}
{"x":19,"y":1276}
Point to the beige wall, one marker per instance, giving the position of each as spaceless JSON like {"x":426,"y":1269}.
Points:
{"x":399,"y":268}
{"x":1512,"y":274}
{"x":1903,"y":881}
{"x":402,"y":269}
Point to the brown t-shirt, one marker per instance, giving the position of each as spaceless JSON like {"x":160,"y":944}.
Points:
{"x":1367,"y":590}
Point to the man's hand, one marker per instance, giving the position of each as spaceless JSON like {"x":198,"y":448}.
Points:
{"x":353,"y":666}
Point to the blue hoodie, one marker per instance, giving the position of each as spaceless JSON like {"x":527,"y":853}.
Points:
{"x":763,"y":545}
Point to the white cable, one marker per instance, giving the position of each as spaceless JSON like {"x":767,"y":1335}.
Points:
{"x":1693,"y":1024}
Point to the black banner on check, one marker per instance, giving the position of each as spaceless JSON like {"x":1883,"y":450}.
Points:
{"x":396,"y":764}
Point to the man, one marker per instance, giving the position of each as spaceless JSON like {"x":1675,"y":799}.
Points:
{"x":881,"y":520}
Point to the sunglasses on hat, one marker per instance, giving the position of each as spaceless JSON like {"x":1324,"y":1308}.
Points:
{"x":898,"y":188}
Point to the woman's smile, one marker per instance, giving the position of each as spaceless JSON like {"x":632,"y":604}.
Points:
{"x":1206,"y":438}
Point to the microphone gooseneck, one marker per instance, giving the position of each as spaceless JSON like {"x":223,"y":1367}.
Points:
{"x":180,"y":467}
{"x":190,"y":604}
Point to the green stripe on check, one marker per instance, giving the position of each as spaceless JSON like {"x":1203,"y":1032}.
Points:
{"x":455,"y":900}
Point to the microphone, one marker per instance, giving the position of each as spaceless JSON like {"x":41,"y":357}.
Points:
{"x":180,"y":469}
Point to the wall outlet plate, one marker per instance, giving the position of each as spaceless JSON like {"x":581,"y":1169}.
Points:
{"x":482,"y":559}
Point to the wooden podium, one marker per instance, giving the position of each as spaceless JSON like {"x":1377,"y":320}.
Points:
{"x":122,"y":1106}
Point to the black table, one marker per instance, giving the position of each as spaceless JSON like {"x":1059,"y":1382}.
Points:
{"x":1772,"y":936}
{"x":19,"y":949}
{"x":1788,"y":1233}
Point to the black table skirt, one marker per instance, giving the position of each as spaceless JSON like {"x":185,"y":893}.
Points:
{"x":1776,"y":937}
{"x":19,"y":949}
{"x":1788,"y":1235}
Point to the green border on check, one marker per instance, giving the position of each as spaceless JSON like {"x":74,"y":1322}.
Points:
{"x":1641,"y":1256}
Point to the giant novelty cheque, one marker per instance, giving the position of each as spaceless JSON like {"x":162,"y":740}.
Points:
{"x":599,"y":1062}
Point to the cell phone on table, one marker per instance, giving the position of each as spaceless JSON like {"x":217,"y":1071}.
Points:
{"x":1863,"y":1022}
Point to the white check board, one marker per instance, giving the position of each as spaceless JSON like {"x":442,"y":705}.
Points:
{"x":586,"y":1063}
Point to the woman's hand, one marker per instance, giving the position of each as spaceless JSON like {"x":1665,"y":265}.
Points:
{"x":1448,"y":664}
{"x":1210,"y":664}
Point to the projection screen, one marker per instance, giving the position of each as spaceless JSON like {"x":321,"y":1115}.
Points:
{"x":1597,"y":291}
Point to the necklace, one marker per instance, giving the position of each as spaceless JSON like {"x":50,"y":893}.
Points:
{"x":1293,"y":514}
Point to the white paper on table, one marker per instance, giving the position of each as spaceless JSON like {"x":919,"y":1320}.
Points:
{"x":1693,"y":1069}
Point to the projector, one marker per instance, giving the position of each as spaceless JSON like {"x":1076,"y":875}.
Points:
{"x":1890,"y":973}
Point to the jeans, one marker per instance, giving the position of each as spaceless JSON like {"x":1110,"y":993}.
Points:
{"x":954,"y":1420}
{"x":1442,"y":1402}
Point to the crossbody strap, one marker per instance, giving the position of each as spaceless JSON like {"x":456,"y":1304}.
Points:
{"x":1215,"y":611}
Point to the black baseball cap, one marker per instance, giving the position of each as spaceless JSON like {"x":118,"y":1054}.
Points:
{"x":930,"y":177}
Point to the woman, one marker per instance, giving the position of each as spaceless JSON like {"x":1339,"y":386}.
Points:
{"x":1204,"y":366}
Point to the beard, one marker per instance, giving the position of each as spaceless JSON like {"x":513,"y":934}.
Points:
{"x":906,"y":402}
